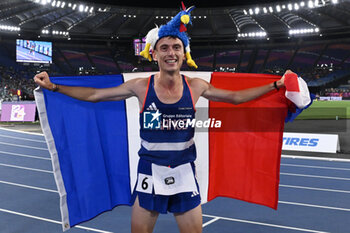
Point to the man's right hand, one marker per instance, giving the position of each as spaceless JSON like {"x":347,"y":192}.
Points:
{"x":43,"y":80}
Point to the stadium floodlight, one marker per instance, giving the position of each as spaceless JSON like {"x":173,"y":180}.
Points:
{"x":290,"y":7}
{"x":257,"y":10}
{"x":302,"y":4}
{"x":303,"y":31}
{"x":283,"y":6}
{"x":252,"y":34}
{"x":69,"y":4}
{"x":9,"y":28}
{"x":63,"y":4}
{"x":296,"y":6}
{"x":334,"y":1}
{"x":81,"y":8}
{"x":245,"y":12}
{"x":86,"y":9}
{"x":53,"y":3}
{"x":310,"y":4}
{"x":265,"y":10}
{"x":251,"y":11}
{"x":43,"y":2}
{"x":278,"y":8}
{"x":74,"y":6}
{"x":58,"y":4}
{"x":320,"y":3}
{"x":91,"y":9}
{"x":270,"y":9}
{"x":37,"y":1}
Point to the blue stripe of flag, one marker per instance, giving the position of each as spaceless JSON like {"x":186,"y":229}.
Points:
{"x":91,"y":141}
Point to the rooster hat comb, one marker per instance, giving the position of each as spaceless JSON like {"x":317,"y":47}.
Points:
{"x":175,"y":27}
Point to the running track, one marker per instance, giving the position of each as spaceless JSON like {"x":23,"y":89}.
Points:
{"x":314,"y":197}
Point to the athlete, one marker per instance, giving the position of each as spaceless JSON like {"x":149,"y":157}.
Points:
{"x":165,"y":89}
{"x":166,"y":172}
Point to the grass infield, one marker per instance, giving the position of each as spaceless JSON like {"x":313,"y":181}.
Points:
{"x":326,"y":110}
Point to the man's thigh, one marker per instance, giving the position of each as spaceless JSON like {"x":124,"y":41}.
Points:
{"x":142,"y":220}
{"x":190,"y":221}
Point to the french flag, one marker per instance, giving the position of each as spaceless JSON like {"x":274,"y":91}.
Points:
{"x":297,"y":90}
{"x":94,"y":146}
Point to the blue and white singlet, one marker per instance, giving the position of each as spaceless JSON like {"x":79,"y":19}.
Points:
{"x":165,"y":129}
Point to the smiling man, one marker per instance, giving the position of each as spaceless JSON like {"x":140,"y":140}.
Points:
{"x":166,"y":171}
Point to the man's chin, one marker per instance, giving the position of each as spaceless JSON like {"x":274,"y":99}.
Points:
{"x":171,"y":68}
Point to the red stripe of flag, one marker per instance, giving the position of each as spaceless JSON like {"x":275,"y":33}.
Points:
{"x":244,"y":155}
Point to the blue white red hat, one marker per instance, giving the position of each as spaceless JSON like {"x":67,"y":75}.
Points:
{"x":175,"y":27}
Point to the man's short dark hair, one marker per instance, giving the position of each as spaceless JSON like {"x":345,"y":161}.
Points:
{"x":172,"y":37}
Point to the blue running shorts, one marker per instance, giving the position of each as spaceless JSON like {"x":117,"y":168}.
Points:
{"x":176,"y":203}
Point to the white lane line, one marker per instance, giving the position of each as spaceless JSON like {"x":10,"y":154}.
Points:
{"x":281,"y":185}
{"x":314,"y":206}
{"x":319,"y":167}
{"x":52,"y":221}
{"x":315,"y":158}
{"x":25,"y":168}
{"x":30,"y":147}
{"x":21,"y":132}
{"x":25,"y":139}
{"x":281,"y":202}
{"x":210,"y":221}
{"x":23,"y":155}
{"x":263,"y":224}
{"x":312,"y":176}
{"x":28,"y":186}
{"x":316,"y":189}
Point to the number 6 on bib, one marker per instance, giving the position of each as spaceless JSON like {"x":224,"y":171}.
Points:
{"x":144,"y":183}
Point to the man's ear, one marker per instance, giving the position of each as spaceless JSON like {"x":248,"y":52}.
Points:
{"x":154,"y":55}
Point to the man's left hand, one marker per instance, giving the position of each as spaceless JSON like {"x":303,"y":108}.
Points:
{"x":280,"y":83}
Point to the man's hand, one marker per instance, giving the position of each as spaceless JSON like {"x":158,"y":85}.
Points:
{"x":43,"y":80}
{"x":280,"y":83}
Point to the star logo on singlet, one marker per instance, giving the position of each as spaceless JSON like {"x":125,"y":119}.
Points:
{"x":152,"y":119}
{"x":156,"y":115}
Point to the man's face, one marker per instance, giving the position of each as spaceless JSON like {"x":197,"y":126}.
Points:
{"x":169,"y":54}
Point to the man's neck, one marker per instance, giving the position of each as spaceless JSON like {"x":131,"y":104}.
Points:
{"x":169,"y":80}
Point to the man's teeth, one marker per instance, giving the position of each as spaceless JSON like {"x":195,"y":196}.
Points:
{"x":171,"y":61}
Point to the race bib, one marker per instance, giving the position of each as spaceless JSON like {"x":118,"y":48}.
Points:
{"x":169,"y":181}
{"x":144,"y":183}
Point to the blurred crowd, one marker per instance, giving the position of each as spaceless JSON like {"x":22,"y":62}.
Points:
{"x":336,"y":92}
{"x":12,"y":80}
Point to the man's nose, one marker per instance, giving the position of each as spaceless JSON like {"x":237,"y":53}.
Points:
{"x":171,"y":51}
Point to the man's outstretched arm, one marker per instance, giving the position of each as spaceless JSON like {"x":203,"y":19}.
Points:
{"x":208,"y":91}
{"x":124,"y":91}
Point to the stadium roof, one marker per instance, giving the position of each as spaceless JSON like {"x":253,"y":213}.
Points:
{"x":212,"y":20}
